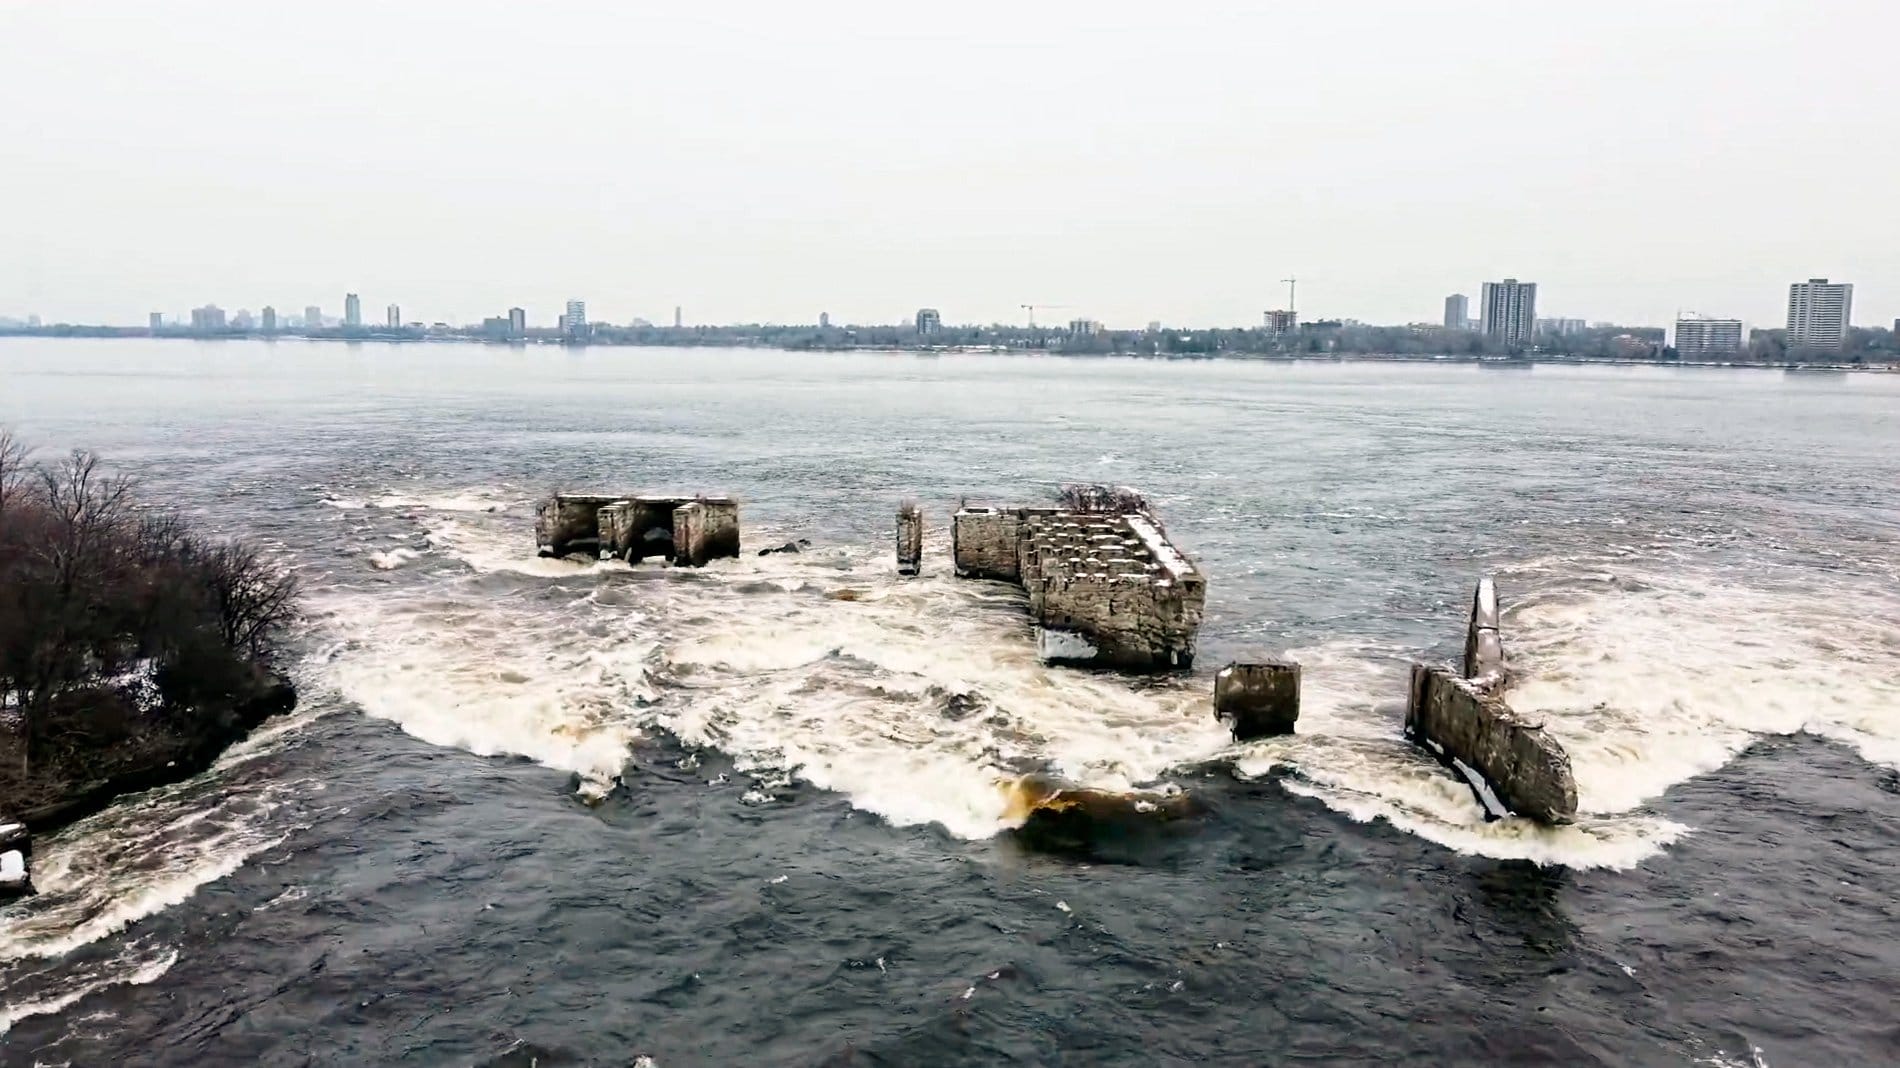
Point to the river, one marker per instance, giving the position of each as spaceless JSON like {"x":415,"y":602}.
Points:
{"x":549,"y":812}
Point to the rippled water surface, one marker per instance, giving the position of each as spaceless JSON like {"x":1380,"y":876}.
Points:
{"x":553,"y":812}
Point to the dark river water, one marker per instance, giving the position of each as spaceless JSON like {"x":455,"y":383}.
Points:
{"x":555,"y":813}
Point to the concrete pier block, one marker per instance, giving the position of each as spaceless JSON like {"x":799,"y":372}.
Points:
{"x":910,"y":538}
{"x":984,"y":543}
{"x":705,"y":529}
{"x":1462,"y":723}
{"x":1484,"y":648}
{"x":1258,"y":699}
{"x":567,"y":522}
{"x":615,"y":524}
{"x":689,"y":534}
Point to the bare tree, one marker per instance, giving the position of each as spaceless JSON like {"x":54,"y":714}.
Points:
{"x":88,"y":509}
{"x":92,"y":586}
{"x":253,"y":599}
{"x":14,"y":456}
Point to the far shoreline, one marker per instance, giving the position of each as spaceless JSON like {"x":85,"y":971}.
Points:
{"x":112,"y":334}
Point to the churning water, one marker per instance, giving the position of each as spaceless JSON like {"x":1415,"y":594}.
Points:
{"x":545,"y":811}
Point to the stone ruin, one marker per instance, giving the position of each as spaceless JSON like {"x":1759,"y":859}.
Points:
{"x":910,"y":538}
{"x":1106,"y":587}
{"x":1258,"y":699}
{"x":685,"y":531}
{"x":1461,"y":718}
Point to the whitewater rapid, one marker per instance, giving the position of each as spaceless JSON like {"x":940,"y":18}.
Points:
{"x":143,"y":854}
{"x":921,"y":699}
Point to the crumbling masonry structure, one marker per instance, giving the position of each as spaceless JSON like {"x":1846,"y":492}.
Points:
{"x":686,"y":531}
{"x":1105,"y":589}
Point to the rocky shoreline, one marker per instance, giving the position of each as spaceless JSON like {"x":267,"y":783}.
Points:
{"x":47,"y":802}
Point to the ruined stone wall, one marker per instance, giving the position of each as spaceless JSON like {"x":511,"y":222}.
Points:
{"x":637,"y":527}
{"x":705,"y":529}
{"x":1109,"y":591}
{"x":984,"y":543}
{"x":1522,"y":764}
{"x":567,"y":521}
{"x":910,"y":538}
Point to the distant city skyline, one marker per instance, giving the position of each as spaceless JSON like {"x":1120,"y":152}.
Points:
{"x":1816,"y":313}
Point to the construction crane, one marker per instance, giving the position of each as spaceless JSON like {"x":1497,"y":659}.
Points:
{"x":1290,"y":283}
{"x":1031,"y":309}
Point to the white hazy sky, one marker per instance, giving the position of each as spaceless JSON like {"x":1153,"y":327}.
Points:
{"x":766,"y":161}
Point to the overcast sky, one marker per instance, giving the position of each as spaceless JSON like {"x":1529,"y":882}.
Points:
{"x":768,"y":161}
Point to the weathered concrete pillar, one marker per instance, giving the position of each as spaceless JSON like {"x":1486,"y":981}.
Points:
{"x":615,"y":522}
{"x":910,"y":538}
{"x":567,"y":521}
{"x":984,"y":543}
{"x":689,"y":535}
{"x":1484,"y":649}
{"x":722,"y":527}
{"x":1522,"y":765}
{"x":1258,"y":699}
{"x":703,"y":530}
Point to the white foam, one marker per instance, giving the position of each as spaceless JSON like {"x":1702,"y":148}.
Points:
{"x":486,"y":549}
{"x":393,"y":559}
{"x":1350,"y":755}
{"x":850,"y":694}
{"x":831,"y":674}
{"x":106,"y":873}
{"x":1650,"y":682}
{"x":141,"y":973}
{"x":826,"y":663}
{"x":479,"y":677}
{"x":478,"y":499}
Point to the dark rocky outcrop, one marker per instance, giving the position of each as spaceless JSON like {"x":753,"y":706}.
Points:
{"x":1060,"y":817}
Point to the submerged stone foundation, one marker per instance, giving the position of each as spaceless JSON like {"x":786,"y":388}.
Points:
{"x":1105,"y":589}
{"x":686,"y":531}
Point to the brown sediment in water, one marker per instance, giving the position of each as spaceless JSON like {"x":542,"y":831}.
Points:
{"x":1029,"y":794}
